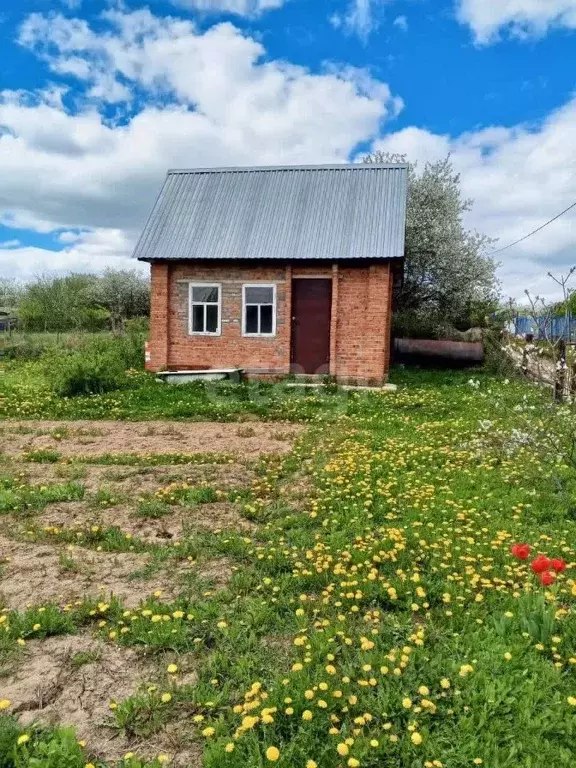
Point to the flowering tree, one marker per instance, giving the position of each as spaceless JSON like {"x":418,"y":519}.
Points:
{"x":448,"y":273}
{"x":124,"y":293}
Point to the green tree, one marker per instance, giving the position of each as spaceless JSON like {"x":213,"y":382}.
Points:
{"x":124,"y":294}
{"x":57,"y":303}
{"x":10,"y":293}
{"x":448,"y":275}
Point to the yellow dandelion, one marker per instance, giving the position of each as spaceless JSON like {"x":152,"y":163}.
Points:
{"x":272,"y":754}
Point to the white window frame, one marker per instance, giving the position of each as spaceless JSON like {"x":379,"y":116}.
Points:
{"x":191,"y":303}
{"x":245,"y":305}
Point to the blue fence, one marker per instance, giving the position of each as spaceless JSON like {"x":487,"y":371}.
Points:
{"x":551,"y":328}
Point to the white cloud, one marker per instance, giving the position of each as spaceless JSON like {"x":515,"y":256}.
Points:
{"x":519,"y":178}
{"x":186,"y":98}
{"x":361,"y":18}
{"x":238,"y":7}
{"x":10,"y":244}
{"x":91,"y":251}
{"x":401,"y":22}
{"x":358,"y":19}
{"x":521,"y":18}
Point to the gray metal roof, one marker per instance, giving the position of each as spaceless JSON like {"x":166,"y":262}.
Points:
{"x":285,"y":212}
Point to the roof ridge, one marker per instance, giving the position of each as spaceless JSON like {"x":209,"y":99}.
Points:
{"x":334,"y":167}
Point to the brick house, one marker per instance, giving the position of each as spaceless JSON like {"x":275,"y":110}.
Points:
{"x":276,"y":269}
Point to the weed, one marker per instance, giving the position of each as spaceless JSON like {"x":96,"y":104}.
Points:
{"x":81,"y":658}
{"x":68,"y":564}
{"x":42,"y":456}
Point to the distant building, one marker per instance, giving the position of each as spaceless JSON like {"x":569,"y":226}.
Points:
{"x":7,"y":319}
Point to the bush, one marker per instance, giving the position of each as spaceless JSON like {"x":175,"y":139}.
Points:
{"x":83,"y":374}
{"x":24,"y":347}
{"x":412,"y":324}
{"x":130,"y":347}
{"x":98,"y":366}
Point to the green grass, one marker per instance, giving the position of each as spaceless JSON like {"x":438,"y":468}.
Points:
{"x":385,"y":621}
{"x":25,"y":393}
{"x":19,"y":497}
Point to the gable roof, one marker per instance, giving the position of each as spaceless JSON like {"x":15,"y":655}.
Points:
{"x":284,"y":212}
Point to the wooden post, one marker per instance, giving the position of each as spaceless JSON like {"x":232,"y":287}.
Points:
{"x":560,"y":378}
{"x":525,"y":359}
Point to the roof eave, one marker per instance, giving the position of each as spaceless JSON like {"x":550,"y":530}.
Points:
{"x":284,"y":259}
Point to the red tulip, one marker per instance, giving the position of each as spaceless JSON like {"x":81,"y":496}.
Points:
{"x":546,"y":578}
{"x":521,"y":551}
{"x":540,"y":564}
{"x":558,"y":565}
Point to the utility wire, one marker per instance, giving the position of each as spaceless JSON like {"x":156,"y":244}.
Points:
{"x":492,"y":253}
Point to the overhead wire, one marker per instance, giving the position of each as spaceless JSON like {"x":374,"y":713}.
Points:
{"x":539,"y":229}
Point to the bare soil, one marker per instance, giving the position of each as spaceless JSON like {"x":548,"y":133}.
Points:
{"x":219,"y":571}
{"x":91,"y":438}
{"x":34,"y":574}
{"x":71,"y":680}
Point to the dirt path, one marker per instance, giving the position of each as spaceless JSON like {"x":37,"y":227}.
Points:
{"x":89,"y":438}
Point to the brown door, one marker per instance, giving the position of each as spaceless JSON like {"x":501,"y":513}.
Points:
{"x":311,"y":307}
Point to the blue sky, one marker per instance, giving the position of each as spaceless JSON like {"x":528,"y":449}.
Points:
{"x":98,"y":98}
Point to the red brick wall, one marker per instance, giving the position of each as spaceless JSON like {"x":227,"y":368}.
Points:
{"x":360,"y":328}
{"x":159,"y":339}
{"x":363,"y":328}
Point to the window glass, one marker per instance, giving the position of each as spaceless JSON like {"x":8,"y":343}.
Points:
{"x":211,"y":318}
{"x":252,"y":319}
{"x":261,"y":294}
{"x":205,"y":293}
{"x":198,"y":318}
{"x":266,"y":318}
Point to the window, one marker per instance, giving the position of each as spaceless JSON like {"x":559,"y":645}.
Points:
{"x":259,"y":311}
{"x":204,"y":309}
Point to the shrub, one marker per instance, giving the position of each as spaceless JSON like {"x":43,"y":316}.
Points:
{"x":411,"y":324}
{"x":96,"y":368}
{"x":95,"y":365}
{"x":130,"y":347}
